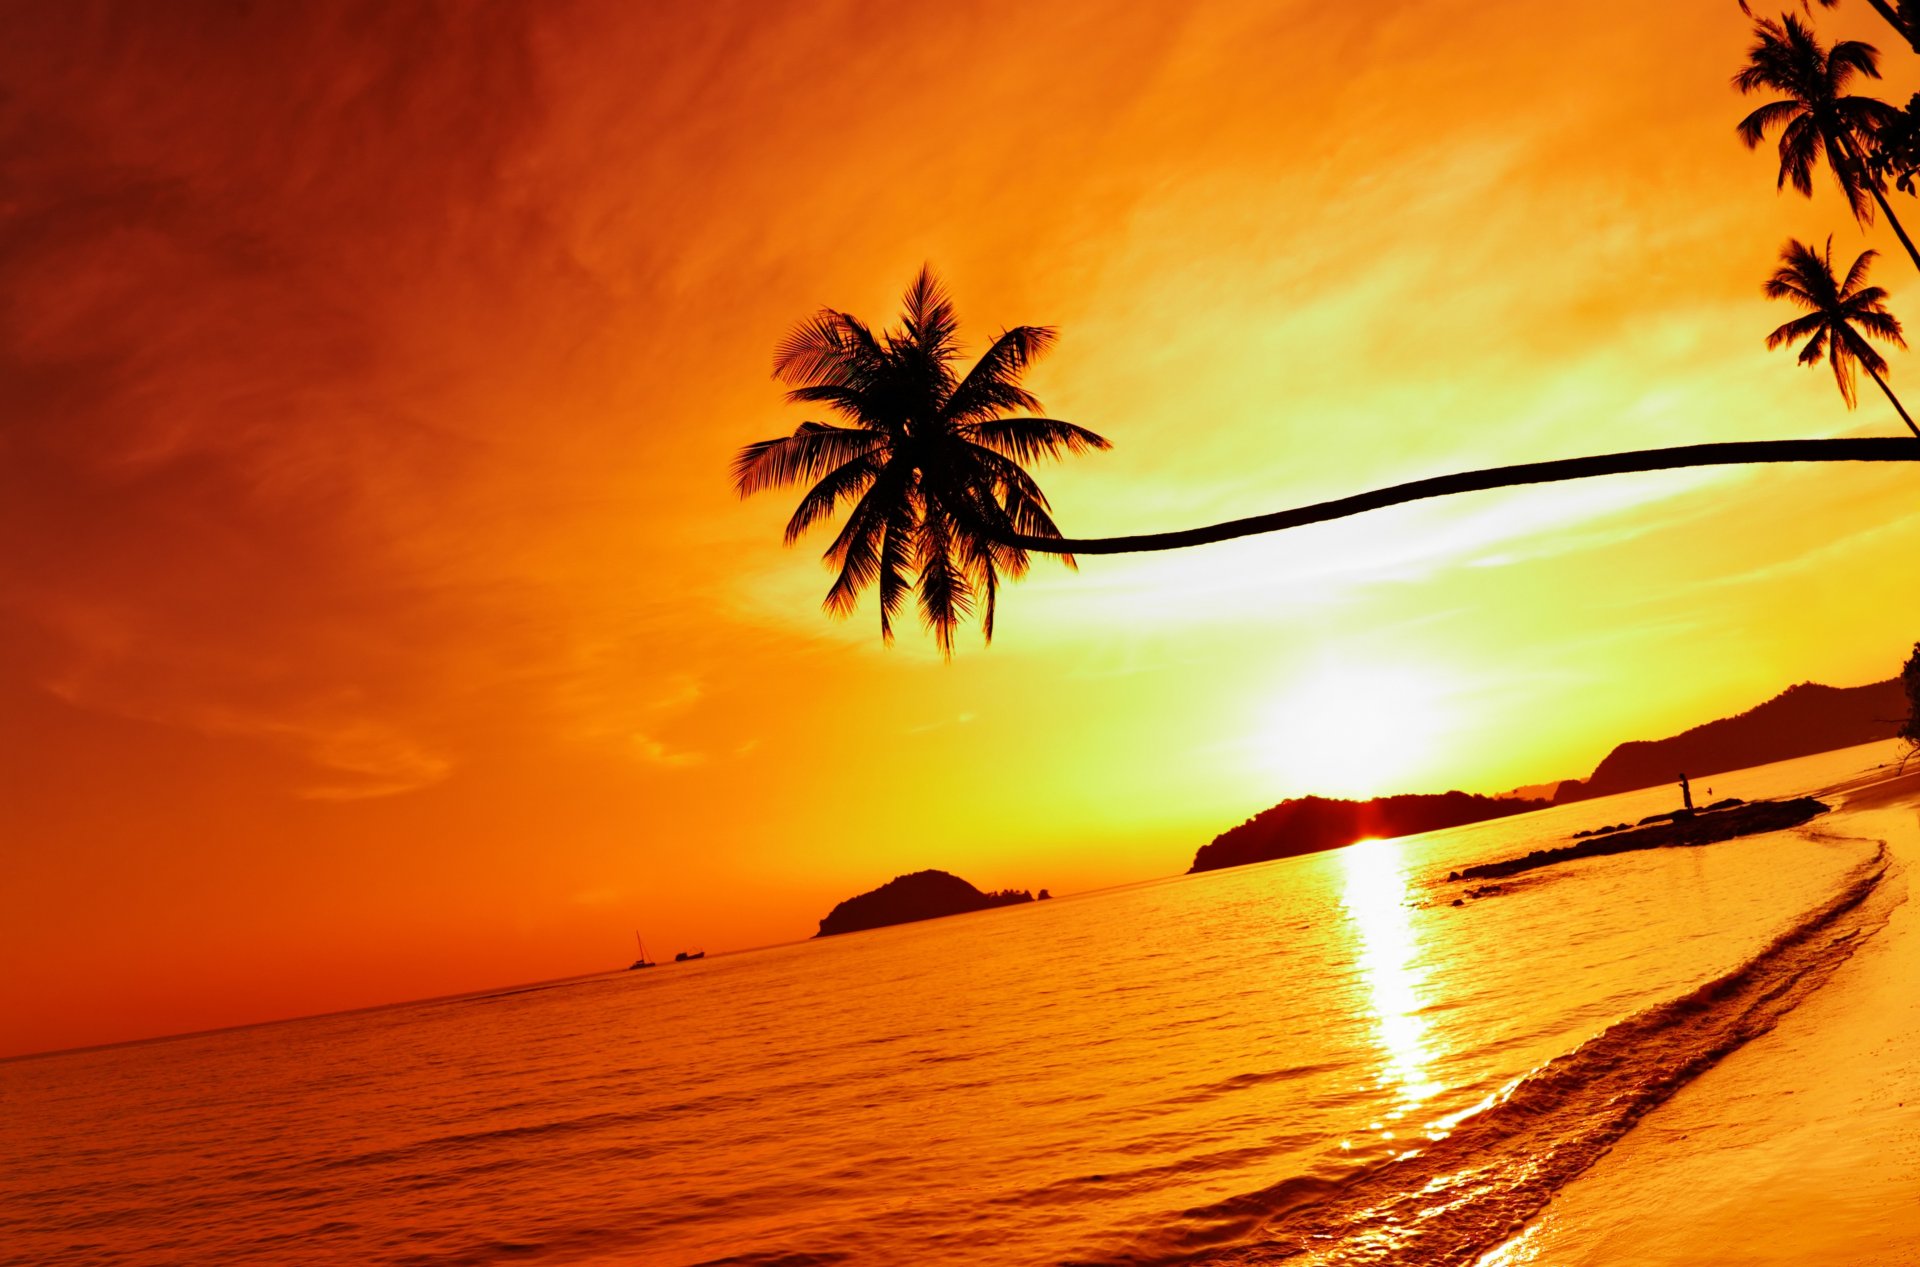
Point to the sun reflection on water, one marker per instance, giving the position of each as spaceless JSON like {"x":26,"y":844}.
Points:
{"x":1394,"y":971}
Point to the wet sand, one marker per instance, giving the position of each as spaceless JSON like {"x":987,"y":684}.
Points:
{"x":1801,"y":1147}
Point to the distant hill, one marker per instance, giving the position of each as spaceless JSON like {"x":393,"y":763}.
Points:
{"x":1798,"y":722}
{"x":908,"y":898}
{"x":1312,"y":824}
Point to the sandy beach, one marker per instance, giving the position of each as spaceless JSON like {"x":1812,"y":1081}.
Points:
{"x":1801,"y":1147}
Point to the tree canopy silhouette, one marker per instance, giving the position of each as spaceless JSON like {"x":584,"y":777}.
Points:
{"x":931,"y":460}
{"x":1816,"y":115}
{"x":1841,"y":316}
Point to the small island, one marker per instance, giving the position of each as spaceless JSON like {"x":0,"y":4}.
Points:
{"x":907,"y":899}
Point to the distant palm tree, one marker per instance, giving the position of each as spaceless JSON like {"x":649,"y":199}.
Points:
{"x":1841,"y":317}
{"x":931,"y":461}
{"x":1818,"y":117}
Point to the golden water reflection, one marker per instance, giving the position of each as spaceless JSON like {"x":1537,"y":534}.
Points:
{"x":1394,"y":970}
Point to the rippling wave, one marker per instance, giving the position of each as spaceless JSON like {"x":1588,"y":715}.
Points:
{"x":1480,"y":1177}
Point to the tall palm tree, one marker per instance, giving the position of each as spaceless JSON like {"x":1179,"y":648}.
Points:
{"x":929,"y":459}
{"x":1841,"y":316}
{"x":931,"y":465}
{"x":1818,"y":117}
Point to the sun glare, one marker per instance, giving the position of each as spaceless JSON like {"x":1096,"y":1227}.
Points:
{"x":1392,"y":966}
{"x":1353,"y":730}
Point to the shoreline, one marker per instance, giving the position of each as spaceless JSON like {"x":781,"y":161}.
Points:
{"x":1769,"y":1158}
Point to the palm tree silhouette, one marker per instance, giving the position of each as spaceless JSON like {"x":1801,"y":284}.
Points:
{"x":1841,"y":317}
{"x":1818,"y":117}
{"x":931,"y":463}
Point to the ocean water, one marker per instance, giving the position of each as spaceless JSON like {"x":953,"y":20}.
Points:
{"x":1320,"y":1060}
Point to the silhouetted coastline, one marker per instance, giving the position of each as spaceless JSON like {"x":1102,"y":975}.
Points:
{"x":1314,"y":824}
{"x":1798,"y":722}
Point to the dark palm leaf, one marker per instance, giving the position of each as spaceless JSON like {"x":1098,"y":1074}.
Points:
{"x":813,"y":449}
{"x":845,"y":483}
{"x":1028,"y":439}
{"x":993,"y":384}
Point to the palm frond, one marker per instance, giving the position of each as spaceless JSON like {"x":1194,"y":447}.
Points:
{"x":945,"y":596}
{"x":1030,"y":439}
{"x":1847,"y":57}
{"x":844,"y":483}
{"x":812,"y":450}
{"x":992,"y":386}
{"x":857,"y":552}
{"x":1800,"y":148}
{"x":1858,"y":272}
{"x":1840,"y":357}
{"x":931,"y":325}
{"x":815,"y":351}
{"x":1858,"y":349}
{"x":1754,"y":128}
{"x":1797,"y":329}
{"x":1816,"y":346}
{"x":897,"y":547}
{"x":1882,"y":325}
{"x":855,"y":403}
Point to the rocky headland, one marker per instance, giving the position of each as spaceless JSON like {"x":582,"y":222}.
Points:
{"x":1312,"y":824}
{"x":1680,"y":829}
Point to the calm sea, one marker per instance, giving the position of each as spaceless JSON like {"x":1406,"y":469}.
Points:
{"x":1320,"y":1059}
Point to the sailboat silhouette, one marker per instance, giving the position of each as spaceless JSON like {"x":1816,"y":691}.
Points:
{"x":642,"y":961}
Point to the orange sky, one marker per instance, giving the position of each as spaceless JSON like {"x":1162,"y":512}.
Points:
{"x":379,"y":621}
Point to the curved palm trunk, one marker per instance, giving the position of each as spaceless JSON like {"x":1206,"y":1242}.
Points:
{"x":1736,"y":453}
{"x":1896,"y":402}
{"x":1866,"y":176}
{"x":1897,"y":22}
{"x":1899,"y":230}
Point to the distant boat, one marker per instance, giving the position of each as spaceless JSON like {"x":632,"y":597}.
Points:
{"x":642,"y":961}
{"x":683,"y":956}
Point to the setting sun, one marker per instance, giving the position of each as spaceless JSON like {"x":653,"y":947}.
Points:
{"x":1355,"y":730}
